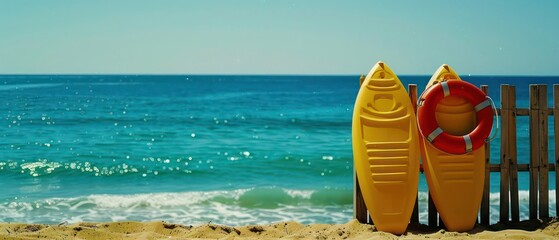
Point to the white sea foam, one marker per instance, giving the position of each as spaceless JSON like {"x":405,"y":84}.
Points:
{"x":160,"y":200}
{"x":26,"y":86}
{"x":112,"y":83}
{"x":305,"y":194}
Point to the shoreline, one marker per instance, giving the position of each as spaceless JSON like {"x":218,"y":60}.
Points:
{"x":352,"y":230}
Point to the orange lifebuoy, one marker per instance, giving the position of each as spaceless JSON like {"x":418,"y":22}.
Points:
{"x":444,"y":141}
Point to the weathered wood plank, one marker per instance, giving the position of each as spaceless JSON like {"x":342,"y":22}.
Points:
{"x":513,"y":162}
{"x":534,"y":148}
{"x":484,"y":209}
{"x":524,"y":167}
{"x":412,"y":92}
{"x":359,"y":207}
{"x":526,"y":111}
{"x":523,"y":112}
{"x":432,"y":213}
{"x":505,"y":156}
{"x":543,"y":153}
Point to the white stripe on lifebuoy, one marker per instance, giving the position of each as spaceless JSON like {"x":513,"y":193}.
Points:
{"x":434,"y":134}
{"x":468,"y":142}
{"x":446,"y":90}
{"x":482,"y":105}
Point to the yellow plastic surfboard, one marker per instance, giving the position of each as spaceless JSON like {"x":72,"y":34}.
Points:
{"x":455,"y":181}
{"x":386,"y":149}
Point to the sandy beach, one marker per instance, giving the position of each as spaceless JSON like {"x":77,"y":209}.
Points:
{"x":291,"y":230}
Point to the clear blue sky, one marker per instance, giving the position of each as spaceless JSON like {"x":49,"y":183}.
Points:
{"x":278,"y":37}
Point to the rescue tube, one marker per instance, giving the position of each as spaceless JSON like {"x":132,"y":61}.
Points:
{"x":446,"y":142}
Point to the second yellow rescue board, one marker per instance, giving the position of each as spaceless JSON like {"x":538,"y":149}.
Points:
{"x":455,"y":181}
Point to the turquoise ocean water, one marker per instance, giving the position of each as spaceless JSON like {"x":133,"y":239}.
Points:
{"x":192,"y":149}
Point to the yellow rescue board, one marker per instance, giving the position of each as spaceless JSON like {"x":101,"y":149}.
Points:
{"x":386,"y":149}
{"x":455,"y":181}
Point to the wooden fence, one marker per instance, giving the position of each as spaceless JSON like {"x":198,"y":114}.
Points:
{"x":538,"y":166}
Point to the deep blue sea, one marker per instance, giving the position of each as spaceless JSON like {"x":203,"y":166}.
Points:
{"x":186,"y":149}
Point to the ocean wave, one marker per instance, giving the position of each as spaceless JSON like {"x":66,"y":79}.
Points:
{"x":266,"y":197}
{"x":232,"y":207}
{"x":235,"y":207}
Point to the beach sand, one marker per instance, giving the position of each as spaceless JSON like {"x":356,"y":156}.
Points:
{"x":352,"y":230}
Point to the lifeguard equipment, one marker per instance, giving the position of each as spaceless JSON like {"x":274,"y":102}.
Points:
{"x":442,"y":140}
{"x":455,"y":181}
{"x":386,"y":149}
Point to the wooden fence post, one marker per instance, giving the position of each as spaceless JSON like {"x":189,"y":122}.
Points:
{"x":513,"y":162}
{"x":543,"y":153}
{"x":359,"y":207}
{"x":508,"y":166}
{"x":539,"y":186}
{"x":484,"y":209}
{"x":412,"y":92}
{"x":432,"y":212}
{"x":534,"y":119}
{"x":505,"y":155}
